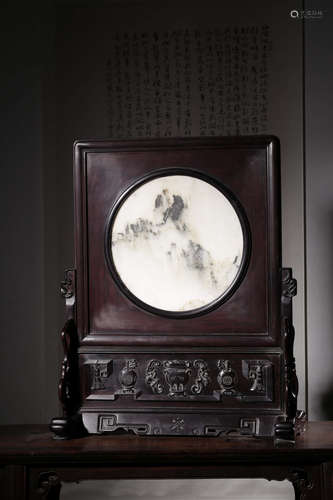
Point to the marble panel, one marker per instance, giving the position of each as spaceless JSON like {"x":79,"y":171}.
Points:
{"x":177,"y":243}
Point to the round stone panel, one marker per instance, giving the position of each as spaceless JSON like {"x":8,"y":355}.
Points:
{"x":177,"y":243}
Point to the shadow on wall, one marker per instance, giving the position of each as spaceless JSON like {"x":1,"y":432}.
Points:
{"x":326,"y":396}
{"x":326,"y":404}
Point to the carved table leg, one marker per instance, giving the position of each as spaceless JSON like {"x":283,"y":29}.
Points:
{"x":307,"y":484}
{"x":49,"y":485}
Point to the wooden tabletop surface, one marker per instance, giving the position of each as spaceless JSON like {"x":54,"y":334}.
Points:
{"x":34,"y":443}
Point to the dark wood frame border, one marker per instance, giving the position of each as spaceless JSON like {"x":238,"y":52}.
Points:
{"x":156,"y":174}
{"x":271,"y":145}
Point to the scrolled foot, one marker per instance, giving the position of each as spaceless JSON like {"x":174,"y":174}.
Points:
{"x":67,"y":427}
{"x":285,"y":431}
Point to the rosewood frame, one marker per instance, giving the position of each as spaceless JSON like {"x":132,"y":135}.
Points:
{"x":231,"y":352}
{"x":245,"y":230}
{"x":88,"y":335}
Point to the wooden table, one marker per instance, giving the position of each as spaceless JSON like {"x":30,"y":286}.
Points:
{"x":33,"y":464}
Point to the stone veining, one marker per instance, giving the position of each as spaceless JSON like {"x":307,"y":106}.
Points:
{"x":168,"y":235}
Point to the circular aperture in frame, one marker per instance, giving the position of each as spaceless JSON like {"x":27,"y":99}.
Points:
{"x":177,"y":243}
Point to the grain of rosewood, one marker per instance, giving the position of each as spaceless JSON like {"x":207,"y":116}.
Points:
{"x":249,"y":168}
{"x":183,"y":393}
{"x":29,"y":458}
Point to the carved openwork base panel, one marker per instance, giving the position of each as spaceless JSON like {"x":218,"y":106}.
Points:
{"x":115,"y":386}
{"x":173,"y":423}
{"x":179,"y":313}
{"x":225,"y":379}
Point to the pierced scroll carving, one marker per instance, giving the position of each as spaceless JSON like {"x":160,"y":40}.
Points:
{"x":101,"y":371}
{"x":128,"y":377}
{"x":177,"y":377}
{"x":152,"y":378}
{"x":70,"y":424}
{"x":68,"y":292}
{"x":259,"y":374}
{"x":68,"y":284}
{"x":257,"y":378}
{"x":290,"y":370}
{"x":202,"y":378}
{"x":289,"y":285}
{"x":246,"y":380}
{"x":68,"y":385}
{"x":285,"y":429}
{"x":227,"y":377}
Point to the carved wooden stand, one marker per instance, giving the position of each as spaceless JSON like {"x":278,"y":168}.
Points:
{"x":176,"y":375}
{"x":225,"y":370}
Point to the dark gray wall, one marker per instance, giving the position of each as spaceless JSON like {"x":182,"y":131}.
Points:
{"x":29,"y":355}
{"x":22,"y":304}
{"x":319,"y":209}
